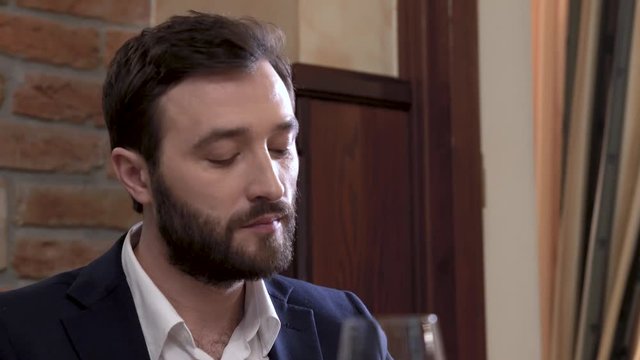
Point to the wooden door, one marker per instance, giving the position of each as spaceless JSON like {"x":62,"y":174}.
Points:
{"x":356,"y":214}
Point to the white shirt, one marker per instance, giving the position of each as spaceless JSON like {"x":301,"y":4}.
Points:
{"x":166,"y":333}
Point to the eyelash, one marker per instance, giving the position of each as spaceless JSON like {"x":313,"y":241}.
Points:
{"x":225,"y":162}
{"x":279,"y":154}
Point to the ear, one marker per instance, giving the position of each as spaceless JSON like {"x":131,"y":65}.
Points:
{"x":133,"y":173}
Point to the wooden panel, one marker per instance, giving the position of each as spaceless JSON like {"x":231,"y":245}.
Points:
{"x":438,"y":54}
{"x":320,"y":82}
{"x":360,"y":227}
{"x":4,"y":222}
{"x":468,"y":196}
{"x":423,"y":34}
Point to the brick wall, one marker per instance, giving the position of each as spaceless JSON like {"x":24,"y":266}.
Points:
{"x":60,"y":205}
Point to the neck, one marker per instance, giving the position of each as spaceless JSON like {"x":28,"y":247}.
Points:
{"x":205,"y":308}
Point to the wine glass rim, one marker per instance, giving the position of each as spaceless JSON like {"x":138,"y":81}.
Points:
{"x":428,"y":318}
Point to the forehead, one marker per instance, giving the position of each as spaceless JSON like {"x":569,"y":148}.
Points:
{"x":256,"y":99}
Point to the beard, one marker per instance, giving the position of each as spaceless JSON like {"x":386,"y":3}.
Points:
{"x":202,"y":246}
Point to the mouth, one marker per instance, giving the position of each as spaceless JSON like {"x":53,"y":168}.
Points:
{"x":265,"y":223}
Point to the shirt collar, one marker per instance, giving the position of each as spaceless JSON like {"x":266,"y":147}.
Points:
{"x":157,"y":316}
{"x":260,"y":315}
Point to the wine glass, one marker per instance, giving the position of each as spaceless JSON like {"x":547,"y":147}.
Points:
{"x":413,"y":337}
{"x":409,"y":337}
{"x":361,"y":339}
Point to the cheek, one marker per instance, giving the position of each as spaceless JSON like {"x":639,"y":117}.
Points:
{"x":290,"y":175}
{"x":294,"y":168}
{"x":208,"y":191}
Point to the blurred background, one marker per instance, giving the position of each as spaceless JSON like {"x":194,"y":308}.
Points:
{"x":473,"y":158}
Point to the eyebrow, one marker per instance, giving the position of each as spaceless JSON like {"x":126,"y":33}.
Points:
{"x":220,"y":134}
{"x":289,"y":125}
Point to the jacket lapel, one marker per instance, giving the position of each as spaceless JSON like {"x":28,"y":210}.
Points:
{"x":298,"y":337}
{"x":108,"y":326}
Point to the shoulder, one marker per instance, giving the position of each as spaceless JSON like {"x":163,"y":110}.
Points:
{"x":64,"y":292}
{"x":31,"y":315}
{"x":330,"y":307}
{"x":57,"y":284}
{"x":321,"y":299}
{"x":37,"y":300}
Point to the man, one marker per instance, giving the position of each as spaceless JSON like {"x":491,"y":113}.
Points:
{"x":202,"y":127}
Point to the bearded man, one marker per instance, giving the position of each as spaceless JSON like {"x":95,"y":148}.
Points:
{"x":200,"y":113}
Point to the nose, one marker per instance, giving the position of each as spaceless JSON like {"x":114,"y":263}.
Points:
{"x":265,"y":181}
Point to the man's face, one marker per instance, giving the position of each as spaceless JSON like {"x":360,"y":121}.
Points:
{"x":225,"y":185}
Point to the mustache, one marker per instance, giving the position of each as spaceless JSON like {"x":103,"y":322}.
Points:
{"x":281,"y":208}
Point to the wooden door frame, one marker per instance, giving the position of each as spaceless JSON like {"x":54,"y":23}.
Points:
{"x":314,"y":82}
{"x":438,"y":54}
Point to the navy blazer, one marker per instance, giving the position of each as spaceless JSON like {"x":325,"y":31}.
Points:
{"x":89,"y":314}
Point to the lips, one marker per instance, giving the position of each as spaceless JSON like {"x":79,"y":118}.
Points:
{"x":264,"y":220}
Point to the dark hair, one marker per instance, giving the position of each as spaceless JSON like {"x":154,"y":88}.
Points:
{"x":149,"y":64}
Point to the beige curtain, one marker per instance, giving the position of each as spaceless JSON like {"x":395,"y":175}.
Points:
{"x":549,"y":30}
{"x":562,"y":204}
{"x":626,"y":226}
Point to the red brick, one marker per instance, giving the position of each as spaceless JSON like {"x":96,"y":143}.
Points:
{"x":121,"y":11}
{"x":48,"y":148}
{"x":78,"y":206}
{"x":1,"y":89}
{"x":111,"y":173}
{"x":36,"y":258}
{"x":115,"y":39}
{"x":59,"y":99}
{"x":50,"y":42}
{"x":4,"y":208}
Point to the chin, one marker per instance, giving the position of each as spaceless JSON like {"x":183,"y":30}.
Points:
{"x":263,"y":250}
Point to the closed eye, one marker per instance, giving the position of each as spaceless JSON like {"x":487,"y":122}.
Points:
{"x":280,"y":153}
{"x":223,"y":162}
